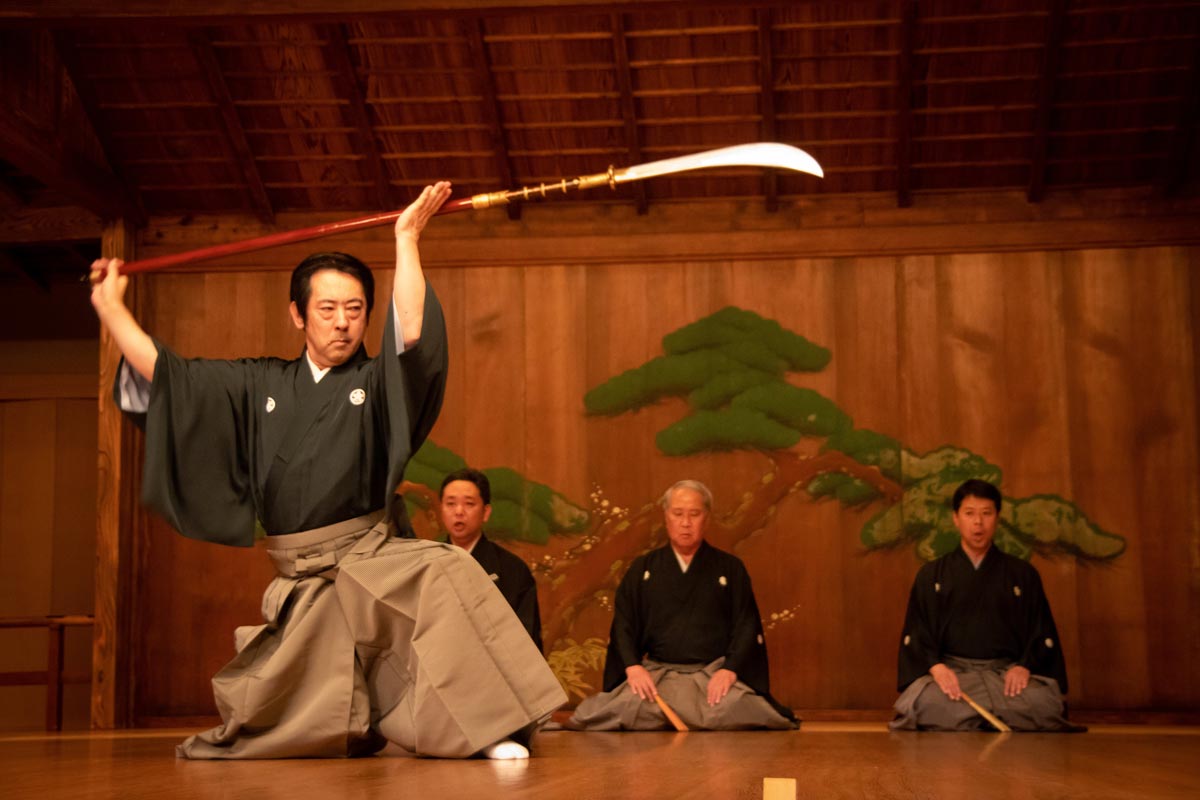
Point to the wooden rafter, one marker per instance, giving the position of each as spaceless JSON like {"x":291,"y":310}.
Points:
{"x":9,"y":263}
{"x":223,"y":10}
{"x":54,"y":224}
{"x":1051,"y":59}
{"x":633,"y":141}
{"x":1178,"y":166}
{"x":239,"y":146}
{"x":9,"y":196}
{"x":904,"y":102}
{"x":92,"y":186}
{"x":562,"y":87}
{"x":131,"y":205}
{"x":490,"y":105}
{"x":766,"y":74}
{"x":337,"y":53}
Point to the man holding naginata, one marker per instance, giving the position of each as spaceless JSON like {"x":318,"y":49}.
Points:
{"x":369,"y":635}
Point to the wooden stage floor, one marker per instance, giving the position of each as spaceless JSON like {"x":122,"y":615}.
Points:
{"x":828,"y":760}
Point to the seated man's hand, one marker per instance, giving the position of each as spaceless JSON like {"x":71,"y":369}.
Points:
{"x":1015,"y":680}
{"x":640,"y":682}
{"x":946,"y":680}
{"x":718,"y":685}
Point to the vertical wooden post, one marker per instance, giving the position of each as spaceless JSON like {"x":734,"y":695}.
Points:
{"x":118,"y":478}
{"x":54,"y":676}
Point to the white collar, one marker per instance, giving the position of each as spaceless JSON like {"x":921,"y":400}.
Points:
{"x":683,"y":565}
{"x":317,"y":372}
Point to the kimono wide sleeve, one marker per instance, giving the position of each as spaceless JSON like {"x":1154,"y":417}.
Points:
{"x":198,"y":447}
{"x":515,"y":582}
{"x":415,"y":384}
{"x":919,"y":640}
{"x":1042,"y":652}
{"x":626,"y":640}
{"x":525,"y":603}
{"x":746,"y":654}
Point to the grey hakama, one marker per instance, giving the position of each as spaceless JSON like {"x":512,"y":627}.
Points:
{"x":370,"y":638}
{"x":684,"y":687}
{"x":924,"y":706}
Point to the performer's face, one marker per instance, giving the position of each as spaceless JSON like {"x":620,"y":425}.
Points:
{"x":686,"y":518}
{"x":463,"y":512}
{"x":337,"y":317}
{"x":976,"y":521}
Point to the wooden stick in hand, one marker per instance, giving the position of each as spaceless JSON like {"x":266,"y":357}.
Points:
{"x":671,"y":715}
{"x":989,"y":716}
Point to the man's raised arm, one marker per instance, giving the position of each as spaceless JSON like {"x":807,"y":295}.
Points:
{"x":408,"y":291}
{"x":108,"y":298}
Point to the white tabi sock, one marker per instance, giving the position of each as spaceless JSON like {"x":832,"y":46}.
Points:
{"x":505,"y":749}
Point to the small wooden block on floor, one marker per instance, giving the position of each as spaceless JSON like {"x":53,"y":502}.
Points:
{"x":779,"y":789}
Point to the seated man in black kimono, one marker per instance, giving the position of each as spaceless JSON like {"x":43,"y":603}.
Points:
{"x":352,"y":652}
{"x":686,"y":628}
{"x":466,"y":497}
{"x":979,"y":624}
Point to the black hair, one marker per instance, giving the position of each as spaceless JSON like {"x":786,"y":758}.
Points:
{"x":472,"y":476}
{"x":976,"y":488}
{"x":301,"y":288}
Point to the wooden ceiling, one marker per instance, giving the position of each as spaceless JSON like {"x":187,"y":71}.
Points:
{"x":180,"y":107}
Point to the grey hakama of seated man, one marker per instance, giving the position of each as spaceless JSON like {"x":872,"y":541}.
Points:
{"x":368,"y":635}
{"x":685,"y":627}
{"x":979,"y":622}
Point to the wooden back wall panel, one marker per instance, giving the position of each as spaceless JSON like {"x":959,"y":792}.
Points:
{"x":1073,"y":371}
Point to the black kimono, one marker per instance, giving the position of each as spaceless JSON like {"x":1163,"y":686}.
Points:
{"x":980,"y":623}
{"x":692,"y":622}
{"x":996,"y":612}
{"x":514,"y":580}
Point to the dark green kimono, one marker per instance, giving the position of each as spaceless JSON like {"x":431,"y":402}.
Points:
{"x":231,"y":441}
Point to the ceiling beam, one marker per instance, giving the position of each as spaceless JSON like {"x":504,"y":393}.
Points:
{"x":1181,"y":153}
{"x":633,"y":140}
{"x":36,"y":144}
{"x":89,"y":184}
{"x":10,"y":196}
{"x":216,"y":11}
{"x":337,"y":53}
{"x":904,"y":102}
{"x":490,"y":106}
{"x":67,"y":54}
{"x":12,"y":264}
{"x":44,"y":225}
{"x":766,"y":74}
{"x":1056,"y":26}
{"x":235,"y":134}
